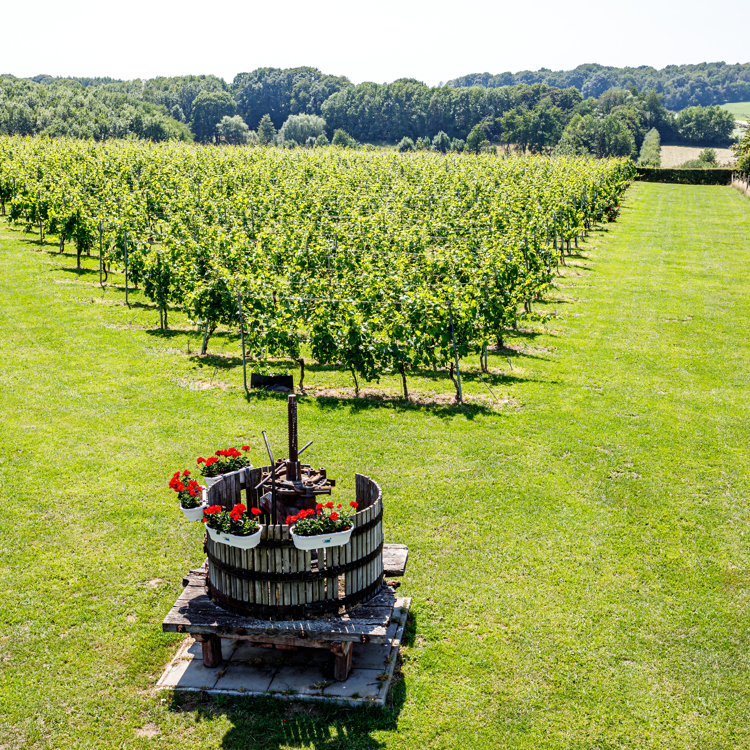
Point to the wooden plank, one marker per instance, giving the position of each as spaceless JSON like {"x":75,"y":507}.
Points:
{"x":229,"y":555}
{"x":277,"y":564}
{"x":309,"y":593}
{"x":331,"y":585}
{"x":320,"y":585}
{"x":248,"y":590}
{"x":293,"y":568}
{"x":394,"y":559}
{"x":211,"y":648}
{"x":343,"y":663}
{"x":286,"y":587}
{"x":264,"y":597}
{"x":256,"y":566}
{"x":194,"y":612}
{"x":348,"y":574}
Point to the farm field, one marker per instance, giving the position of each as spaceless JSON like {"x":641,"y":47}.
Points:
{"x":578,"y":554}
{"x":740,"y":110}
{"x":673,"y":156}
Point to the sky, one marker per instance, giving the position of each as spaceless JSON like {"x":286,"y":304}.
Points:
{"x":430,"y":41}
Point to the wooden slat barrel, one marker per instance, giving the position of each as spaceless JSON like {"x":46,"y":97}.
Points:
{"x":276,"y":581}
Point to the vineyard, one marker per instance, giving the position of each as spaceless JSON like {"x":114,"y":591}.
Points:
{"x":376,"y":262}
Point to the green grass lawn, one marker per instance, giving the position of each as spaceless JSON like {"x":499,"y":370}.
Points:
{"x":740,"y":110}
{"x":578,"y":555}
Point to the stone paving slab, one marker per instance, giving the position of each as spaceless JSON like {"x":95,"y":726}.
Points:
{"x":306,"y":674}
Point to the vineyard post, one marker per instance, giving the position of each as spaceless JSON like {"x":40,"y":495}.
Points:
{"x":455,"y":355}
{"x":242,"y":336}
{"x":39,"y":213}
{"x":100,"y":253}
{"x":126,"y":266}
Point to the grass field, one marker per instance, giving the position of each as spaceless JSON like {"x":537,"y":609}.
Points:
{"x":740,"y":110}
{"x":579,"y":557}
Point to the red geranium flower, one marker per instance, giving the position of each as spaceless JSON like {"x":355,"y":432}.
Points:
{"x":354,"y":504}
{"x":245,"y":447}
{"x":329,"y":505}
{"x":319,"y":506}
{"x":255,"y":511}
{"x":201,"y":460}
{"x":334,"y":516}
{"x":186,"y":473}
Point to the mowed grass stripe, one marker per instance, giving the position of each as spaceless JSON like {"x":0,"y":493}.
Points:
{"x":578,"y":565}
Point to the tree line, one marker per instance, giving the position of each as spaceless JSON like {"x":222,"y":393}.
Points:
{"x":681,"y":86}
{"x":535,"y":117}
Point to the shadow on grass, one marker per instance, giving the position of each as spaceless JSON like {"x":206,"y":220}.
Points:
{"x":356,"y":404}
{"x":77,"y":271}
{"x":272,"y":724}
{"x":275,"y":723}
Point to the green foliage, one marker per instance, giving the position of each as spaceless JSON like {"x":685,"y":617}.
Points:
{"x":458,"y":145}
{"x":408,"y":109}
{"x":680,"y":85}
{"x":742,"y":150}
{"x":342,"y":138}
{"x":406,"y":144}
{"x":66,"y":108}
{"x":321,"y":140}
{"x":300,"y":128}
{"x":209,"y":107}
{"x":536,"y":130}
{"x":476,"y":139}
{"x":698,"y":174}
{"x":441,"y":142}
{"x":702,"y":125}
{"x":175,"y":94}
{"x":650,"y":155}
{"x":531,"y":116}
{"x":358,"y":254}
{"x":280,"y":93}
{"x":600,"y":137}
{"x":266,"y":131}
{"x":233,"y":130}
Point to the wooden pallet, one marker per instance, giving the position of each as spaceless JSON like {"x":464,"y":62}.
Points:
{"x":195,"y":613}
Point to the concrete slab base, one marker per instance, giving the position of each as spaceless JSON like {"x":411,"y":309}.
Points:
{"x":306,"y":674}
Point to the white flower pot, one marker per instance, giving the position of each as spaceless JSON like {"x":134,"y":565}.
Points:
{"x":210,"y":481}
{"x":321,"y":541}
{"x":193,"y":514}
{"x":232,"y":540}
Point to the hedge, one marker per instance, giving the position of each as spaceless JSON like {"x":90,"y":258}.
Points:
{"x":686,"y":176}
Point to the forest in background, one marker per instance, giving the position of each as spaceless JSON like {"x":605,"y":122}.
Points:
{"x":257,"y":106}
{"x":681,"y":86}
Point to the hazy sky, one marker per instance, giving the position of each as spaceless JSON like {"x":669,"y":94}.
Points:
{"x":432,"y":41}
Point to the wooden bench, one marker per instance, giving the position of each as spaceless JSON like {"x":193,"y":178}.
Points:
{"x":195,"y":613}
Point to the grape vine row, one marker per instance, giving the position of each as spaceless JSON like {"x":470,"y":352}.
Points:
{"x":375,"y":261}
